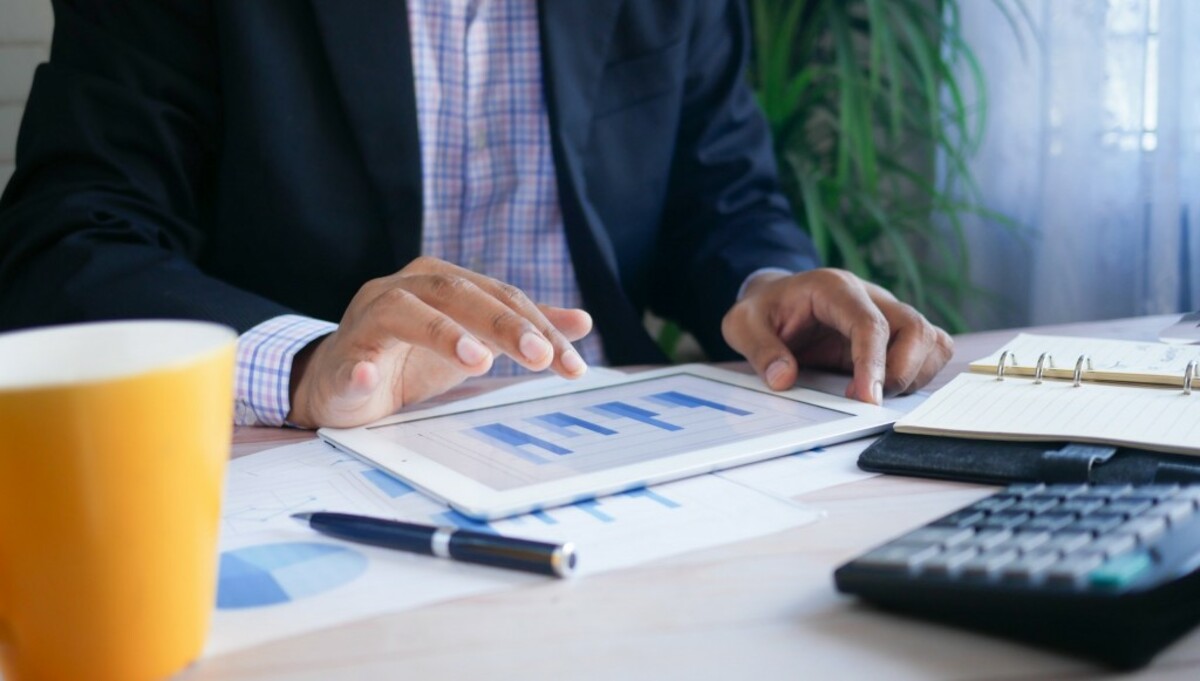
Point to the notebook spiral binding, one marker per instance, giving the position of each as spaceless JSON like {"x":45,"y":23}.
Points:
{"x":1191,"y":372}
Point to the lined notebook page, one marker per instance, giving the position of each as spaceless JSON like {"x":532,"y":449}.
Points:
{"x":979,"y":406}
{"x":1112,"y":360}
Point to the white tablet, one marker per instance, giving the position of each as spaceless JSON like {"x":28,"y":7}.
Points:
{"x":570,"y":444}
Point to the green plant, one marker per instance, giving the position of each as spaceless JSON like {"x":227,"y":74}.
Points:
{"x":863,"y":96}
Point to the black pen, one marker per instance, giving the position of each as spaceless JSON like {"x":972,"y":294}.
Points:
{"x":557,"y":560}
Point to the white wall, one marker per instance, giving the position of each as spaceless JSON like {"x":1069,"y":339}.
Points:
{"x":25,"y":27}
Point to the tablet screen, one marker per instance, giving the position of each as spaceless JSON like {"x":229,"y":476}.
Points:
{"x":546,"y":439}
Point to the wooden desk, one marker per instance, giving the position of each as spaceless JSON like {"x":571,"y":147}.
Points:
{"x":763,"y":608}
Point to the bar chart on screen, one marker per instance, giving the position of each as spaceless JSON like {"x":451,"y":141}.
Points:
{"x":548,"y":439}
{"x":610,"y":428}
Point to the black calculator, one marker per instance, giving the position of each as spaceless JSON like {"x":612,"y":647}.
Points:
{"x":1108,"y":572}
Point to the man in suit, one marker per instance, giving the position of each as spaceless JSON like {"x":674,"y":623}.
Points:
{"x":422,"y":173}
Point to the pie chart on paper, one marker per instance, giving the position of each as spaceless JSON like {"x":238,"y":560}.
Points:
{"x":271,"y":574}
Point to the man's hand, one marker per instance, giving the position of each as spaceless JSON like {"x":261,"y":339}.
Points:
{"x":417,"y":333}
{"x":831,"y":319}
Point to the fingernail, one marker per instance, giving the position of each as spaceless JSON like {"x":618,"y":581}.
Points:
{"x":470,"y":351}
{"x":534,"y":347}
{"x":573,"y":363}
{"x":877,"y":392}
{"x":776,"y":371}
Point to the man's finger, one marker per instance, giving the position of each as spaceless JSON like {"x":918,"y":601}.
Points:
{"x":400,"y":314}
{"x":572,"y":322}
{"x":562,"y":356}
{"x":486,"y":316}
{"x":918,"y":349}
{"x":934,"y":361}
{"x":749,"y":331}
{"x":906,"y":357}
{"x":841,"y":302}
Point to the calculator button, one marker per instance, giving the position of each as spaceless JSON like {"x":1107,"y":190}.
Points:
{"x":1111,"y":545}
{"x":1174,"y":511}
{"x":944,"y":536}
{"x":1120,"y":571}
{"x":1050,"y":521}
{"x":1128,"y":507}
{"x":1190,"y":493}
{"x":948,"y":563}
{"x":1145,"y":529}
{"x":1066,"y":542}
{"x":1080,"y":505}
{"x":1028,"y":567}
{"x":988,"y":563}
{"x":1028,"y":540}
{"x":1159,"y":492}
{"x":1071,"y":570}
{"x":989,"y":538}
{"x":1023,"y":488}
{"x":1104,"y":493}
{"x":1096,"y":523}
{"x":897,"y":557}
{"x":1005,"y":519}
{"x":1035,"y":504}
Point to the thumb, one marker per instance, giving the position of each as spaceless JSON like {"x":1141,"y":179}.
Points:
{"x":352,"y":386}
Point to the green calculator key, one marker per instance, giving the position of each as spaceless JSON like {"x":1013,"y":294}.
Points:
{"x":1120,"y":571}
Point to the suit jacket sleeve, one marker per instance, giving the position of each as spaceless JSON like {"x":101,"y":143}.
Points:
{"x":106,"y":214}
{"x":725,"y":214}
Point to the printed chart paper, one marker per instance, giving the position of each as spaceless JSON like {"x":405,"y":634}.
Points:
{"x":279,"y":578}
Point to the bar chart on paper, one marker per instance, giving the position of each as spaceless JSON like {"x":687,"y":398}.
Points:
{"x":278,"y":578}
{"x":552,"y":438}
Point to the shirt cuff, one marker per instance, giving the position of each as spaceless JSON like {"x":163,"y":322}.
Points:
{"x":264,"y":367}
{"x":755,"y":273}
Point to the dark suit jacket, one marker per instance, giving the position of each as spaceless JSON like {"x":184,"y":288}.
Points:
{"x":234,"y":160}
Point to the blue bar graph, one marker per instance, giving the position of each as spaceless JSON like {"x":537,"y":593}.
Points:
{"x":592,"y":508}
{"x":683,"y":400}
{"x":562,"y":423}
{"x":629,"y":411}
{"x":650,"y":494}
{"x":515,"y":439}
{"x":462,"y":522}
{"x":545,"y":517}
{"x":387,"y":483}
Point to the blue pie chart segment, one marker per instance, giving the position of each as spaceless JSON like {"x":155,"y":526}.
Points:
{"x":269,"y":574}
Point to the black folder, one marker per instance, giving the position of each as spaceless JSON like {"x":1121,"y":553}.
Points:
{"x":1002,"y":462}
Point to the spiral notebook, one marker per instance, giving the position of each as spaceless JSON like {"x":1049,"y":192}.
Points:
{"x":1051,"y":388}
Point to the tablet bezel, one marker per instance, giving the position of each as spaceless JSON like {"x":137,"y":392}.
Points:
{"x":479,"y":501}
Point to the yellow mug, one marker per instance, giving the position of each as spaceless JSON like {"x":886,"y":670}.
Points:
{"x":114,"y":438}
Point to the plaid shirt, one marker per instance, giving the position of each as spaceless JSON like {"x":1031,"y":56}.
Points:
{"x":490,"y":194}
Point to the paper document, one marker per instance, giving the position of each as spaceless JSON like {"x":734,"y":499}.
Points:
{"x":279,"y":578}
